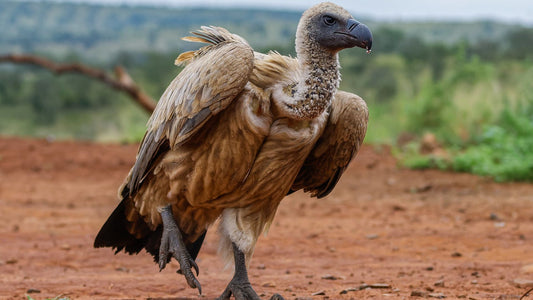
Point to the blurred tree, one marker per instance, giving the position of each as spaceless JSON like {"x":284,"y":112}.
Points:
{"x":519,"y":43}
{"x":123,"y":82}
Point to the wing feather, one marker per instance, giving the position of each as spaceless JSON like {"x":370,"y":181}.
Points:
{"x":337,"y":146}
{"x":214,"y":76}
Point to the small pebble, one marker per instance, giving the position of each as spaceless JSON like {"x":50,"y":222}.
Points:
{"x":437,"y":295}
{"x":269,"y":284}
{"x":527,"y":269}
{"x":439,"y":283}
{"x":523,"y":283}
{"x":319,"y":293}
{"x":456,"y":254}
{"x":332,"y":277}
{"x":379,"y":286}
{"x":33,"y":291}
{"x":122,"y":269}
{"x":418,"y":294}
{"x":331,"y":249}
{"x":499,"y":224}
{"x":372,"y":236}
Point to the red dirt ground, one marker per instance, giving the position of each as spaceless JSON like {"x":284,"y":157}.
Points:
{"x":420,"y":233}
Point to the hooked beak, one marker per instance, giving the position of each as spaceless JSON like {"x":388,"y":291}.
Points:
{"x":361,"y":34}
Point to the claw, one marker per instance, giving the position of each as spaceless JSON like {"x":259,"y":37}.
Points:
{"x":195,"y":266}
{"x":198,"y":286}
{"x":162,"y":260}
{"x":193,"y":282}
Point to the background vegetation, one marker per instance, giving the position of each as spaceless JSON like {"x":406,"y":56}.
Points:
{"x":466,"y":85}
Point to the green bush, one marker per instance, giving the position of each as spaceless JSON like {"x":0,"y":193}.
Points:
{"x":504,"y":152}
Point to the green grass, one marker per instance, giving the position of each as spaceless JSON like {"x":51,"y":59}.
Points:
{"x":484,"y":122}
{"x":503,"y":152}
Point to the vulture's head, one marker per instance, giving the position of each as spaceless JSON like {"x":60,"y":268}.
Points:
{"x":331,"y":28}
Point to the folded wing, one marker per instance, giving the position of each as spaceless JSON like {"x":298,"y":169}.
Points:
{"x":214,"y":75}
{"x":337,"y":146}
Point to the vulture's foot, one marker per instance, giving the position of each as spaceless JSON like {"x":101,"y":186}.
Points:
{"x":240,"y":286}
{"x":242,"y":290}
{"x":172,"y":244}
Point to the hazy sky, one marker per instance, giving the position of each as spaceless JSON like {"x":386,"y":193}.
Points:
{"x":515,"y":11}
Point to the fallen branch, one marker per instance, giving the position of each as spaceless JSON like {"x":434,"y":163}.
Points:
{"x":123,"y":81}
{"x":526,"y":294}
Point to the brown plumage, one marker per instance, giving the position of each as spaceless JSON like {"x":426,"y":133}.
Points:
{"x":233,"y":134}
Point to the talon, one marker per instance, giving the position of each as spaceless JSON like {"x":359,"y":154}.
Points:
{"x":162,"y":263}
{"x":195,"y":266}
{"x":197,"y":283}
{"x":193,"y":282}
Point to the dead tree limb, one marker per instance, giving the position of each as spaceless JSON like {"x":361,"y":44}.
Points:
{"x":123,"y":81}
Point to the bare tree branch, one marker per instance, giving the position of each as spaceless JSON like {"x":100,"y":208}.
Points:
{"x":123,"y":81}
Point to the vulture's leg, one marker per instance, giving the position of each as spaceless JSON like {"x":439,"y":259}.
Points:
{"x":172,"y":243}
{"x":240,"y":286}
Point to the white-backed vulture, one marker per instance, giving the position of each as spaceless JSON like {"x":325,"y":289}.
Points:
{"x":231,"y":136}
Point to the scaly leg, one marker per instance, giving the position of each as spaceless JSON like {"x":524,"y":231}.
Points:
{"x":172,"y":243}
{"x":240,"y":286}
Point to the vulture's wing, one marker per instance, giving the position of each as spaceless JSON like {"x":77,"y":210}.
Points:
{"x":214,"y":75}
{"x":338,"y":144}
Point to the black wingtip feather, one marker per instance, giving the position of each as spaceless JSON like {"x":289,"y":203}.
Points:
{"x":326,"y":188}
{"x":114,"y":234}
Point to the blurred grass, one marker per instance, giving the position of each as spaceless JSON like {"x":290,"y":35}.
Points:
{"x":482,"y":115}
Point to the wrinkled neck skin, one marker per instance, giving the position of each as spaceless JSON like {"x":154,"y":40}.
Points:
{"x":316,"y":86}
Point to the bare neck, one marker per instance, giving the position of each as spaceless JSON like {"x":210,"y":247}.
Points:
{"x":317,"y":87}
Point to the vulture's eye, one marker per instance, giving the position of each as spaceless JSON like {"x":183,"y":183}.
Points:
{"x":328,"y":20}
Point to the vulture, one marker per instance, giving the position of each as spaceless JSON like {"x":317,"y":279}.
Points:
{"x":233,"y":134}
